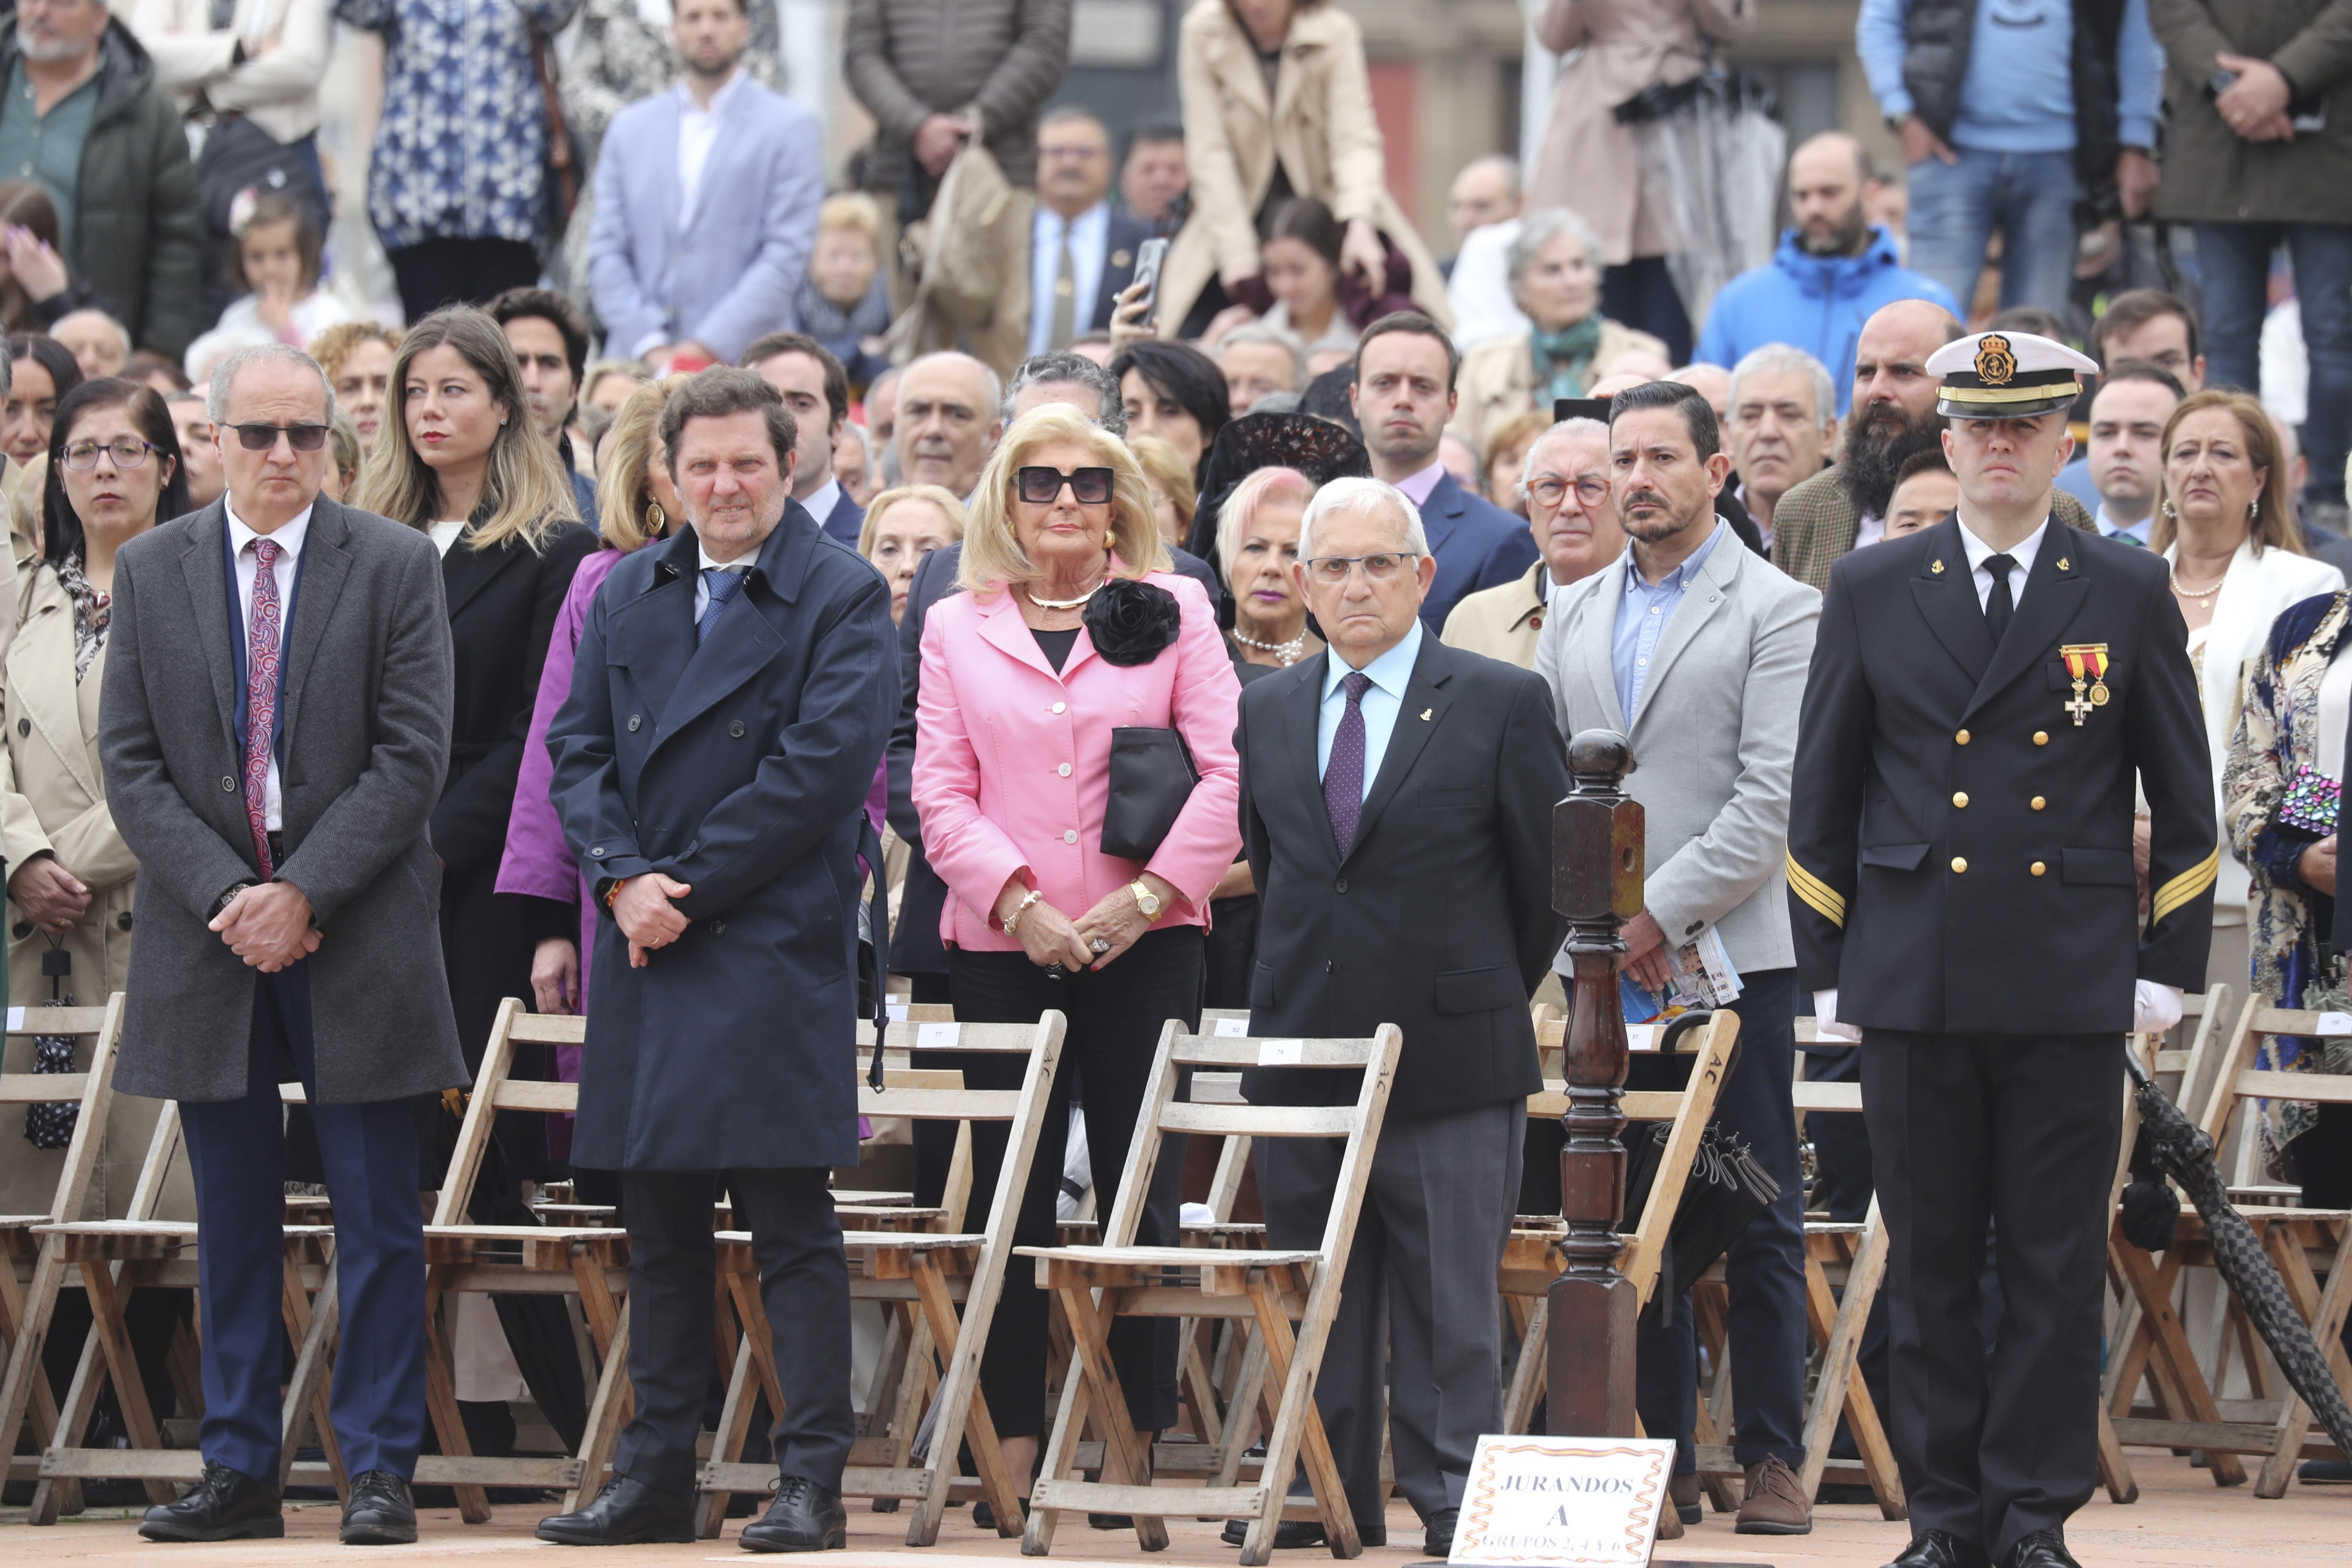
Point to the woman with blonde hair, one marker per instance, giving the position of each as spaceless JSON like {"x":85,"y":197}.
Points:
{"x":2223,"y":525}
{"x":636,"y":505}
{"x":1074,"y":627}
{"x":1174,"y":498}
{"x":903,"y":525}
{"x":459,"y":459}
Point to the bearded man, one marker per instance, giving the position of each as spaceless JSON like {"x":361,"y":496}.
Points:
{"x":1892,"y":420}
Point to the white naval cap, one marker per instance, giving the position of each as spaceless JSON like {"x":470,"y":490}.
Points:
{"x":2006,"y":375}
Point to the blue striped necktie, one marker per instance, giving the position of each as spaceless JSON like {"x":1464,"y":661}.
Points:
{"x":723,"y":585}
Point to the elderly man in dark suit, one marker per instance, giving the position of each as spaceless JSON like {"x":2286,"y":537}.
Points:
{"x":1404,"y":394}
{"x":274,"y":727}
{"x":734,"y":689}
{"x":1396,"y":811}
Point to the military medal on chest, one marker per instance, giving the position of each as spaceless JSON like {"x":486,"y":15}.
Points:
{"x":2087,"y":663}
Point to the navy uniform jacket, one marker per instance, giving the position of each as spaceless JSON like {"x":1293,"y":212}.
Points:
{"x":1959,"y":851}
{"x":739,"y":767}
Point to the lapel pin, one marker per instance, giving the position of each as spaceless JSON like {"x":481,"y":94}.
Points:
{"x":1425,"y":713}
{"x":1936,"y":567}
{"x":2061,"y":563}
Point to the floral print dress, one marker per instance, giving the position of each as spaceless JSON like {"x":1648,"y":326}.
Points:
{"x":2278,"y":732}
{"x":461,"y":149}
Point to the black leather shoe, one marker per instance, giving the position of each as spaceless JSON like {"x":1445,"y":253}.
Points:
{"x":806,"y":1516}
{"x":381,"y":1512}
{"x":1289,"y":1535}
{"x":225,"y":1505}
{"x":625,"y":1513}
{"x":1940,"y":1549}
{"x":2042,"y":1549}
{"x":1439,"y":1541}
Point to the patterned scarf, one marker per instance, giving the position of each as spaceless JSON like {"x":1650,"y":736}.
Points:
{"x":92,"y":610}
{"x":1564,"y":358}
{"x":838,"y":329}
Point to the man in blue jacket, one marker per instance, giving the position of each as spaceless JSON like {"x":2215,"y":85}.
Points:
{"x":1832,"y":271}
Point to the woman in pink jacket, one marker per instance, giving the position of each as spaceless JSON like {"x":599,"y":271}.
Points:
{"x":1071,"y":628}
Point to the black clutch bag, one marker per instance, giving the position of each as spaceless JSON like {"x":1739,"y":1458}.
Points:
{"x":1151,"y":777}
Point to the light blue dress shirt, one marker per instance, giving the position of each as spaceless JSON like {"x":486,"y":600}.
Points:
{"x":1089,"y":235}
{"x":1643,"y":614}
{"x":1382,"y":701}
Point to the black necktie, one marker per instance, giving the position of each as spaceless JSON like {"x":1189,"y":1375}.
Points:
{"x":2000,"y":608}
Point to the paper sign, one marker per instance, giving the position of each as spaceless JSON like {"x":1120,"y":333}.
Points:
{"x":15,"y":1020}
{"x":897,"y":1011}
{"x":1281,"y":1053}
{"x":1641,"y":1036}
{"x":935,"y":1037}
{"x":2329,"y":1022}
{"x":1563,"y":1499}
{"x":1233,"y":1029}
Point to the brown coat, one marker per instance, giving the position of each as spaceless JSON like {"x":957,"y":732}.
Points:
{"x":1498,"y":376}
{"x":1320,"y":126}
{"x":1814,"y":524}
{"x":1587,"y":160}
{"x":53,"y":800}
{"x":2212,"y":175}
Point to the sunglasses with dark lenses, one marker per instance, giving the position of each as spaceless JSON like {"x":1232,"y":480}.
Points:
{"x":261,"y":438}
{"x":1088,"y":487}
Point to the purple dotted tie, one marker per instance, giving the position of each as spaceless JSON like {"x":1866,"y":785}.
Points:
{"x":1343,"y":780}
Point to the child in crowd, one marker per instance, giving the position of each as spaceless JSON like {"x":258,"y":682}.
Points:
{"x":844,"y":302}
{"x":275,"y":258}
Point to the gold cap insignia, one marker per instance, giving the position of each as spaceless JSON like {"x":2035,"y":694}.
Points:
{"x":1996,"y":362}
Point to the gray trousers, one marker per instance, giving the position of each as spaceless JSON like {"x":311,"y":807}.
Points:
{"x":1417,"y":1297}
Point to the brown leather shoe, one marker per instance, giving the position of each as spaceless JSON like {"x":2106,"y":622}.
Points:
{"x":1687,"y":1495}
{"x":1773,"y":1504}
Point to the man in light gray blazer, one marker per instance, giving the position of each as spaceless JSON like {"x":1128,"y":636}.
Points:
{"x":274,"y":729}
{"x":706,"y":196}
{"x":1697,"y":649}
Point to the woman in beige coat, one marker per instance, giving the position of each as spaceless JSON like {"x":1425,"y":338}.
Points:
{"x":1277,"y":103}
{"x":114,"y":473}
{"x":1588,"y":161}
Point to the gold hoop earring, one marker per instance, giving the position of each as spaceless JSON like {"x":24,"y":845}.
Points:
{"x":656,"y":519}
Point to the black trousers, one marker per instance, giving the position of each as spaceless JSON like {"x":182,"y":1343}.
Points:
{"x":452,"y":271}
{"x":1116,"y":1017}
{"x":1765,"y":1266}
{"x":673,"y":1276}
{"x":2018,"y":1132}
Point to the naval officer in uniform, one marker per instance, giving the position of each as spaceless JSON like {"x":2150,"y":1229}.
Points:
{"x":1982,"y":697}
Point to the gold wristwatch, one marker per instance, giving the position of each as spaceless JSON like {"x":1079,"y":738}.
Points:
{"x":1145,"y":898}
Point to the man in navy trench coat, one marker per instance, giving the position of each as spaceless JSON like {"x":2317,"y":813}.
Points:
{"x":734,"y":689}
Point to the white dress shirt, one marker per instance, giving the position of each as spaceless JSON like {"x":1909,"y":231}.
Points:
{"x":2022,"y":552}
{"x":288,"y":539}
{"x":1868,"y":529}
{"x":1383,"y":702}
{"x":820,"y":503}
{"x":1089,"y":237}
{"x":697,"y":132}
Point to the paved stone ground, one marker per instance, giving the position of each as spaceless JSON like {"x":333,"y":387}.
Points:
{"x":2182,"y":1521}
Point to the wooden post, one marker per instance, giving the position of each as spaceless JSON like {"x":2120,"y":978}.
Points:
{"x":1597,"y":868}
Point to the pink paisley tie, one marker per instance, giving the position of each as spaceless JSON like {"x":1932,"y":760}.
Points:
{"x":261,"y":695}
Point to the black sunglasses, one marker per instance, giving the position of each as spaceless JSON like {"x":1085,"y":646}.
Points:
{"x":1088,"y":487}
{"x":261,"y":438}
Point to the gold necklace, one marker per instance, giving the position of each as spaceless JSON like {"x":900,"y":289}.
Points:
{"x":1076,"y":604}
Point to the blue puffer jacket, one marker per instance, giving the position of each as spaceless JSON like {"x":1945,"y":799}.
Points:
{"x":1816,"y":303}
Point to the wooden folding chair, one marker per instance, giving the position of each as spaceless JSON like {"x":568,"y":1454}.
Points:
{"x":1531,"y":1259}
{"x":2311,"y":1249}
{"x":27,"y":1304}
{"x":1267,"y":1285}
{"x":589,"y":1260}
{"x":932,"y":1271}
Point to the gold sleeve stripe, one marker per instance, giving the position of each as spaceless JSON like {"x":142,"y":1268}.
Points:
{"x":2185,"y":887}
{"x":1825,"y":901}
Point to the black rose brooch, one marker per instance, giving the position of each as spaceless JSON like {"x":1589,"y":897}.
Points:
{"x":1132,"y":623}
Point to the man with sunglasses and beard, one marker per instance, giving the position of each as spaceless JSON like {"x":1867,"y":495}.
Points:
{"x":274,"y":731}
{"x":1893,"y":419}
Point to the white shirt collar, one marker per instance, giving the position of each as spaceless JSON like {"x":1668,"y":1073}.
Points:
{"x":1391,"y":671}
{"x":742,"y":562}
{"x":719,"y":99}
{"x":2022,"y":552}
{"x":288,"y":537}
{"x":822,"y":502}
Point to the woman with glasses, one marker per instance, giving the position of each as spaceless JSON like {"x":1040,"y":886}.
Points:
{"x":1072,"y":626}
{"x":459,"y":459}
{"x":114,"y":473}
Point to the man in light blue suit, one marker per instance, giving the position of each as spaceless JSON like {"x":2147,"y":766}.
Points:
{"x":706,"y":197}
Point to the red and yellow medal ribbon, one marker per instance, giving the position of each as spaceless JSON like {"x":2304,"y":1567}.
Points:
{"x":2085,"y":661}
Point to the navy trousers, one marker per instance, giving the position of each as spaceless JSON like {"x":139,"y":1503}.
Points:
{"x":237,"y":1152}
{"x":1765,"y":1266}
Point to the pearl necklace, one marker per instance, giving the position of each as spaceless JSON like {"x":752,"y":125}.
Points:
{"x":2202,"y":595}
{"x":1288,"y":652}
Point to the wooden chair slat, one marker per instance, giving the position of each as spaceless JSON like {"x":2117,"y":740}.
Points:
{"x":941,"y":1104}
{"x":2326,"y":1089}
{"x":1260,"y":1121}
{"x":57,"y":1020}
{"x":531,"y":1094}
{"x":1213,"y":1050}
{"x":42,"y":1088}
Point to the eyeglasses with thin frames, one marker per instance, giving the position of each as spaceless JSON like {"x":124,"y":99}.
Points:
{"x":126,"y":453}
{"x":1334,"y":570}
{"x":1590,"y":491}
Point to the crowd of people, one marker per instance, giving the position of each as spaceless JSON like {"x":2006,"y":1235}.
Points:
{"x":720,"y":604}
